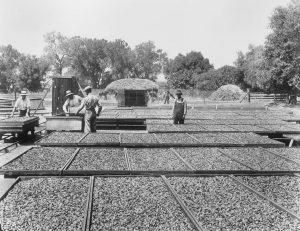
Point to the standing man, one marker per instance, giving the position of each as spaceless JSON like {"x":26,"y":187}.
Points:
{"x":71,"y":101}
{"x":179,"y":109}
{"x":90,"y":102}
{"x":23,"y":105}
{"x":167,"y":97}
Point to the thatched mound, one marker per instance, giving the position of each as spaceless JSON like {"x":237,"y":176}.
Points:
{"x":131,"y":84}
{"x":227,"y":93}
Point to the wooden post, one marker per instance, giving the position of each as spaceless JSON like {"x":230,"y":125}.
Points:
{"x":248,"y":94}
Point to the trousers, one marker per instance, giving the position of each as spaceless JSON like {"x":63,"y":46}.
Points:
{"x":178,"y":120}
{"x":90,"y":121}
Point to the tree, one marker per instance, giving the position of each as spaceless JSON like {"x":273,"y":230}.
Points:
{"x":31,"y":72}
{"x":254,"y":68}
{"x":9,"y":58}
{"x":88,"y":58}
{"x":57,"y":51}
{"x":180,"y":70}
{"x":121,"y":60}
{"x":213,"y":79}
{"x":282,"y":48}
{"x":148,"y":61}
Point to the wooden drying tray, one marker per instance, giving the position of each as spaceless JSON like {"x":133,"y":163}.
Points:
{"x":10,"y":122}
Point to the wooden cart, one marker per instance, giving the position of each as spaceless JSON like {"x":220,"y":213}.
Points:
{"x":18,"y":125}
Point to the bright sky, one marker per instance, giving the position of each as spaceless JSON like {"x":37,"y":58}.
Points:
{"x":217,"y":28}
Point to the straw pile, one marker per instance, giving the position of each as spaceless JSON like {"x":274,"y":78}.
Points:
{"x":227,"y":93}
{"x":131,"y":84}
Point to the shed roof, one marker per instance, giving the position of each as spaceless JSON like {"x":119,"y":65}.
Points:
{"x":131,"y":84}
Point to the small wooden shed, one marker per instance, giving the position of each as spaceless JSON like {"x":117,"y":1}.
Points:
{"x":132,"y":92}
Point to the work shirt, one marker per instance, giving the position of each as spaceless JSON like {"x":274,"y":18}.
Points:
{"x":179,"y":108}
{"x":22,"y":104}
{"x":91,"y":102}
{"x":75,"y":102}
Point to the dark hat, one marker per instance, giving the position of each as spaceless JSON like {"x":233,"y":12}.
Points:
{"x":68,"y":92}
{"x":178,"y":92}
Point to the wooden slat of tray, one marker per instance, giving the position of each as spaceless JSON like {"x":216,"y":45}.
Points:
{"x":98,"y":144}
{"x":174,"y":172}
{"x":57,"y":144}
{"x":30,"y":120}
{"x":124,"y":173}
{"x":262,"y":195}
{"x":6,"y":186}
{"x":89,"y":206}
{"x":14,"y":154}
{"x":186,"y":210}
{"x":16,"y":173}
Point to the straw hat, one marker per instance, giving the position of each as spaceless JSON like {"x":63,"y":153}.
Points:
{"x":68,"y":92}
{"x":87,"y":88}
{"x":23,"y":93}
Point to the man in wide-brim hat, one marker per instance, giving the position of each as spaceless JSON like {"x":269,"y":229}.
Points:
{"x":179,"y":109}
{"x":90,"y":102}
{"x":22,"y":104}
{"x":71,"y":101}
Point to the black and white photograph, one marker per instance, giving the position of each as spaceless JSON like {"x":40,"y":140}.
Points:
{"x":169,"y":115}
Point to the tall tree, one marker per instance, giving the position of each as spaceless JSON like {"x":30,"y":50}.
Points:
{"x":57,"y":51}
{"x":121,"y":59}
{"x":180,"y":71}
{"x":9,"y":61}
{"x":283,"y":47}
{"x":89,"y":58}
{"x":32,"y":71}
{"x":254,"y":67}
{"x":149,"y":61}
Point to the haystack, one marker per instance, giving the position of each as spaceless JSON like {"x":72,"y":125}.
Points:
{"x":227,"y":93}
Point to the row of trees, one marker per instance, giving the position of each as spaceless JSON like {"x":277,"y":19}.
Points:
{"x":272,"y":67}
{"x":96,"y":61}
{"x":20,"y":71}
{"x":100,"y":61}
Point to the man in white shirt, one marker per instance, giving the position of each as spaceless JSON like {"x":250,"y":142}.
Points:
{"x":90,"y":102}
{"x":23,"y":105}
{"x":72,"y":101}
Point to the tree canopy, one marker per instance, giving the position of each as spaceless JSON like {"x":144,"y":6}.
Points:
{"x":282,"y":48}
{"x":180,"y":70}
{"x":213,"y":79}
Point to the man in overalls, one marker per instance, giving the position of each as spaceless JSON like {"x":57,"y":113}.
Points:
{"x":90,"y":102}
{"x":179,"y":109}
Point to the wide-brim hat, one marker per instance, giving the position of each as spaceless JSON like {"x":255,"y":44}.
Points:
{"x":68,"y":92}
{"x":87,"y":88}
{"x":178,"y":92}
{"x":23,"y":93}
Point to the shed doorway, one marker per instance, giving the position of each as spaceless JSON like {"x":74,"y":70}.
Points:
{"x":135,"y":98}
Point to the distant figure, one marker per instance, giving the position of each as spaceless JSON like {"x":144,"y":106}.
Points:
{"x":166,"y":96}
{"x":71,"y":101}
{"x":23,"y":105}
{"x":90,"y":102}
{"x":179,"y":109}
{"x":104,"y":94}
